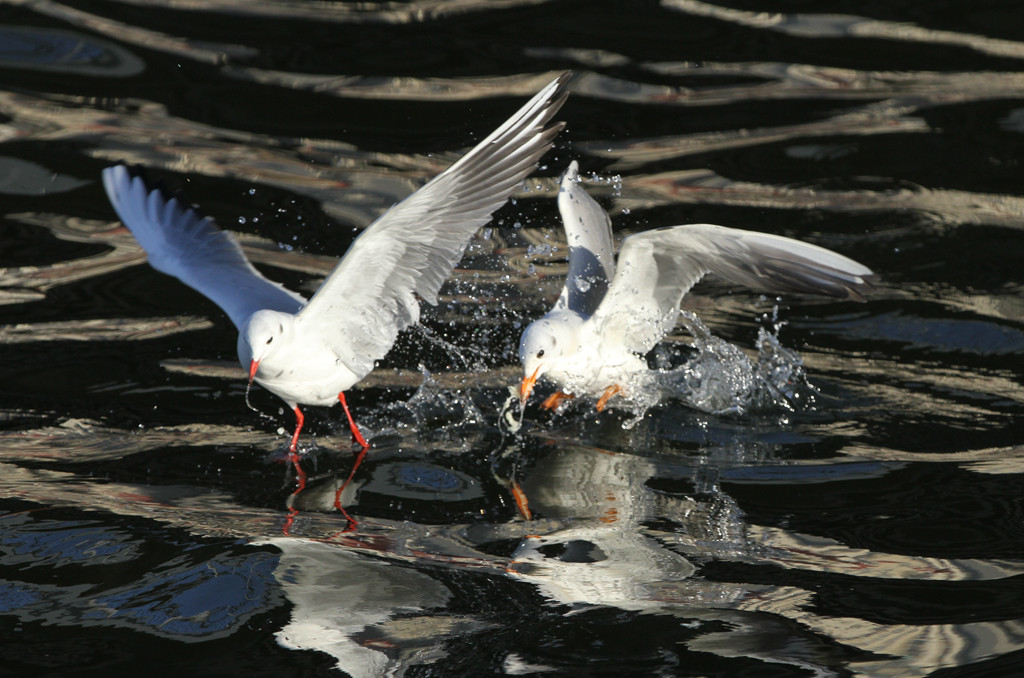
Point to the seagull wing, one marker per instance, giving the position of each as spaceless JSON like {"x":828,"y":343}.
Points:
{"x":181,"y":242}
{"x":656,"y":268}
{"x":588,"y":232}
{"x":410,"y":250}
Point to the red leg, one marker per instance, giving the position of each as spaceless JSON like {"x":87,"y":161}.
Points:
{"x":289,"y":520}
{"x":299,"y":419}
{"x":293,"y":455}
{"x":356,"y":435}
{"x":360,"y":455}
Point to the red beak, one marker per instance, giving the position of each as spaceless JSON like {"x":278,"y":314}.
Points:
{"x":253,"y":367}
{"x":526,"y":388}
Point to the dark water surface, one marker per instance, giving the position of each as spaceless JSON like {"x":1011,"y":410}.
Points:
{"x":148,"y":524}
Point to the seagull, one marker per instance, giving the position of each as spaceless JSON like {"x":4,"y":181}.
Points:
{"x":610,"y":314}
{"x":311,"y":352}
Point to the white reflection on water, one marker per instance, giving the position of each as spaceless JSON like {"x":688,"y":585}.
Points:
{"x":606,"y":556}
{"x":608,"y":538}
{"x":360,"y":610}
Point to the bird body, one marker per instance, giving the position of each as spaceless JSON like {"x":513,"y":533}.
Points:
{"x":311,"y":352}
{"x":612,"y":313}
{"x":305,"y":368}
{"x":588,"y":362}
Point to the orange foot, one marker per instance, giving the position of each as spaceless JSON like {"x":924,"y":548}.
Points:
{"x":607,"y":395}
{"x":555,"y":399}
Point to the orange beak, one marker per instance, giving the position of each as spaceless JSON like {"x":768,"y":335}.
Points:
{"x":253,"y":367}
{"x":526,"y":388}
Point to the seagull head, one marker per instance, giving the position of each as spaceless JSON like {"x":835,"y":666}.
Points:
{"x":543,"y":345}
{"x":265,"y":332}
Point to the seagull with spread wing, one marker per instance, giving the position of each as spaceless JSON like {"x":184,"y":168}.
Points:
{"x":311,"y":352}
{"x":611,"y":314}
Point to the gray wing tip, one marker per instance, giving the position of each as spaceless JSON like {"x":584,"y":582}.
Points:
{"x":785,"y":276}
{"x":557,"y":95}
{"x":561,"y":90}
{"x":867,"y":286}
{"x":854,"y":282}
{"x":554,"y":95}
{"x":550,"y":132}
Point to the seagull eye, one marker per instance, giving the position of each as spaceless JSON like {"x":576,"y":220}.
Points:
{"x":269,"y":340}
{"x":540,"y":353}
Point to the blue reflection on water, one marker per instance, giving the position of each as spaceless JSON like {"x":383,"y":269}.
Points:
{"x":204,"y":598}
{"x":180,"y":597}
{"x":56,"y":50}
{"x":428,"y":477}
{"x":56,"y":544}
{"x":16,"y":596}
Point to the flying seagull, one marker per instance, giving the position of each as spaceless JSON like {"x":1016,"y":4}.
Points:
{"x":311,"y":352}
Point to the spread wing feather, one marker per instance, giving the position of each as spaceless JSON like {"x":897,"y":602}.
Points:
{"x":656,"y":268}
{"x":181,"y":242}
{"x":410,"y":250}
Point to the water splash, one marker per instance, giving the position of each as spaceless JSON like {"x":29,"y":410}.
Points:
{"x":721,"y":379}
{"x":435,"y":410}
{"x":466,"y":356}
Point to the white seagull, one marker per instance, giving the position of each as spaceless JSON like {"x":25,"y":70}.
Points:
{"x":311,"y":352}
{"x":609,"y":315}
